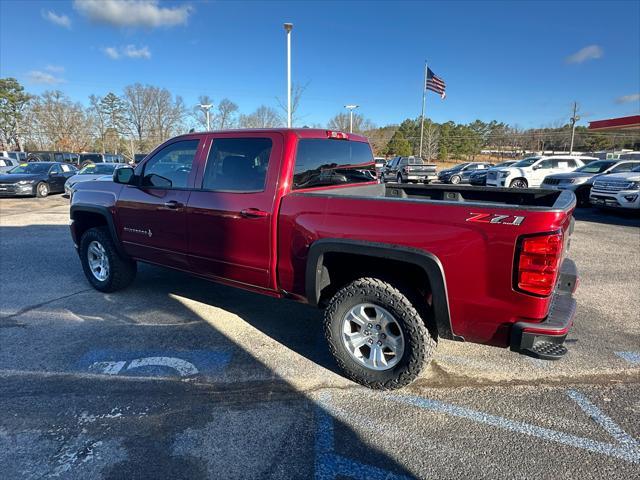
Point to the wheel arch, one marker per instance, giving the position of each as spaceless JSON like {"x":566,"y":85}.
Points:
{"x":317,"y":277}
{"x":85,"y":217}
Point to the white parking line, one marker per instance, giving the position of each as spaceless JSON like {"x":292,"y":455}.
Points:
{"x":622,"y":451}
{"x":631,"y":357}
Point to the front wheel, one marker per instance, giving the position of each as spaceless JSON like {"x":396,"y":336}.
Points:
{"x":399,"y":178}
{"x":376,"y":335}
{"x":519,"y":183}
{"x":455,"y":179}
{"x":105,"y":269}
{"x":42,"y":189}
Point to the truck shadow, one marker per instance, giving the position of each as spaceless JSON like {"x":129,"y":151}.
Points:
{"x":608,"y":217}
{"x":211,"y":426}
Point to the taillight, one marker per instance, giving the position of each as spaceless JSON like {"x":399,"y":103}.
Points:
{"x":337,"y":135}
{"x":538,"y":262}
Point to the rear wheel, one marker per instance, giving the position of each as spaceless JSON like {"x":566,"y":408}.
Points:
{"x":455,"y":179}
{"x":376,"y":335}
{"x":105,"y":269}
{"x":519,"y":183}
{"x":42,"y":189}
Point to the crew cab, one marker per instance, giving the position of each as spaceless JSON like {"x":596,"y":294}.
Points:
{"x":408,"y":170}
{"x":531,"y":171}
{"x":295,"y":213}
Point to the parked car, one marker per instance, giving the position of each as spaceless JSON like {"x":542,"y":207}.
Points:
{"x":409,"y":170}
{"x":93,"y":171}
{"x":50,"y":156}
{"x":36,"y":179}
{"x":479,"y":177}
{"x":620,"y":191}
{"x":7,"y":164}
{"x":17,"y":156}
{"x":580,"y":180}
{"x":380,"y":162}
{"x":461,"y":173}
{"x":286,"y":213}
{"x":531,"y":171}
{"x":87,"y":158}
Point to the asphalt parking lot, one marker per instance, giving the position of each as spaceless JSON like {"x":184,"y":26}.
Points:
{"x":176,"y":377}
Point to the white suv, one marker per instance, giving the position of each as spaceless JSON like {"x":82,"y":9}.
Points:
{"x":621,"y":190}
{"x":530,"y":172}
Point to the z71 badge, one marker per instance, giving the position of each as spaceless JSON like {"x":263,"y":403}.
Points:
{"x":495,"y":218}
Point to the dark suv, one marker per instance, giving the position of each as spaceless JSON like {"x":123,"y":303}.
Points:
{"x":408,"y":169}
{"x":461,"y":173}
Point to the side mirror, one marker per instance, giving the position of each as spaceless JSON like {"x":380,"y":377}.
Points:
{"x":123,"y":175}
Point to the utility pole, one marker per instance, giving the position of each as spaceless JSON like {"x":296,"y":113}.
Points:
{"x":351,"y":108}
{"x":574,"y":119}
{"x":206,"y":109}
{"x":288,"y":27}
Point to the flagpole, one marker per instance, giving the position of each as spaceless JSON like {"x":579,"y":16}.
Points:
{"x":424,"y":101}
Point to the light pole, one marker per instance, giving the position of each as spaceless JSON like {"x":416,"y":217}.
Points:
{"x":574,"y":119}
{"x":206,"y":108}
{"x":351,"y":108}
{"x":288,"y":27}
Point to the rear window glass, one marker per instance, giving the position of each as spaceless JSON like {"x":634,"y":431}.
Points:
{"x":332,"y":162}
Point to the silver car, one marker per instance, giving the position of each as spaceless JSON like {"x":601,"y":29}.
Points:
{"x":93,"y":171}
{"x":581,"y":180}
{"x":7,"y":164}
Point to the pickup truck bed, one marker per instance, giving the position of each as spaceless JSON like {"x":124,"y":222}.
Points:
{"x":395,"y":266}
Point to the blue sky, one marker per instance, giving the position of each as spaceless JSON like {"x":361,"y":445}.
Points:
{"x":518,"y":62}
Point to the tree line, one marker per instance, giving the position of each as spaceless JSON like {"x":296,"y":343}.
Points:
{"x":143,"y":116}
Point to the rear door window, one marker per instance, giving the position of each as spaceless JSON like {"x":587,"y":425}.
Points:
{"x":332,"y":162}
{"x":237,"y":164}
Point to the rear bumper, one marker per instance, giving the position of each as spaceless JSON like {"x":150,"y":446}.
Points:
{"x":545,"y":340}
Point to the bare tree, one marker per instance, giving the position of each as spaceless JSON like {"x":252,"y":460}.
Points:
{"x":431,"y":140}
{"x":225,"y":118}
{"x":138,"y":99}
{"x":99,"y":118}
{"x":263,"y":117}
{"x":166,"y":115}
{"x":297,"y":90}
{"x":342,"y":122}
{"x":60,"y":123}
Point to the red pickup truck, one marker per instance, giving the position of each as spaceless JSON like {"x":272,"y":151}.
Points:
{"x":299,"y":214}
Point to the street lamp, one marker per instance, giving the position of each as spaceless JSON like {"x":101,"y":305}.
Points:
{"x":351,"y":108}
{"x":206,"y":108}
{"x":288,"y":27}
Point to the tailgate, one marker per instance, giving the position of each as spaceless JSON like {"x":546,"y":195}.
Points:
{"x":424,"y":169}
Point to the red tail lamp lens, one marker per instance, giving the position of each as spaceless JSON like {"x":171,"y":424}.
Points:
{"x":538,"y":263}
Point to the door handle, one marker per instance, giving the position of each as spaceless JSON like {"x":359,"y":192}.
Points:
{"x":172,"y":204}
{"x":253,"y":213}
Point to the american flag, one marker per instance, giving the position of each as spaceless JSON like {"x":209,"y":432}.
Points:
{"x":435,"y":83}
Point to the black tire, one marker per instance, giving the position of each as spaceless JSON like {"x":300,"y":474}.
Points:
{"x":582,"y":197}
{"x":399,"y":178}
{"x":419,"y":343}
{"x":122,"y":271}
{"x":519,"y":183}
{"x":42,"y":189}
{"x":455,"y":179}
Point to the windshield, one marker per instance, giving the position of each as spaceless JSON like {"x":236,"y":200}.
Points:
{"x":527,"y":162}
{"x":595,"y":167}
{"x":100,"y":169}
{"x":459,"y":167}
{"x":508,"y":163}
{"x":31,"y":168}
{"x":90,"y":157}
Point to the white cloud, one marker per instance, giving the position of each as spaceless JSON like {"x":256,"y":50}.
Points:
{"x":54,"y":68}
{"x":61,"y":20}
{"x":592,"y":52}
{"x":133,"y":13}
{"x":112,"y":53}
{"x":40,"y":77}
{"x":634,"y":97}
{"x":129,"y":51}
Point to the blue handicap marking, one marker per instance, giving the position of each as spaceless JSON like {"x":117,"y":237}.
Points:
{"x":329,"y":465}
{"x":631,"y":357}
{"x":182,"y":363}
